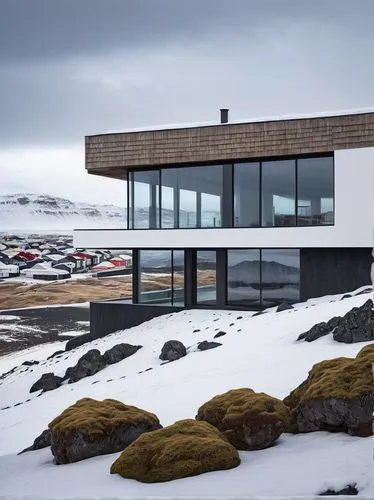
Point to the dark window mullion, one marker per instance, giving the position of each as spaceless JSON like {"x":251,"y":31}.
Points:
{"x":261,"y":277}
{"x":296,"y":194}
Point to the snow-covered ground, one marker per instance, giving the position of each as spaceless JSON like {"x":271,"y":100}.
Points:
{"x":259,"y":352}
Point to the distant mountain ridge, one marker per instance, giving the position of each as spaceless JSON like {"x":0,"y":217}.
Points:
{"x":30,"y":211}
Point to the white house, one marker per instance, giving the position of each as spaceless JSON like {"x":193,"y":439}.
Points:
{"x":242,"y":215}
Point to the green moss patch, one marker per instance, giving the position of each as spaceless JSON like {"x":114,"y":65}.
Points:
{"x":186,"y":448}
{"x":94,"y":418}
{"x":249,"y":420}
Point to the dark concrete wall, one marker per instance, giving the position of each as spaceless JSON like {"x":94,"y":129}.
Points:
{"x":333,"y":270}
{"x":109,"y":316}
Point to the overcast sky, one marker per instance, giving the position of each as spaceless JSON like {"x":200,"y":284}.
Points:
{"x":69,"y":68}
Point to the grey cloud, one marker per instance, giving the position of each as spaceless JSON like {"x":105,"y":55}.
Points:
{"x":37,"y":29}
{"x":70,"y":68}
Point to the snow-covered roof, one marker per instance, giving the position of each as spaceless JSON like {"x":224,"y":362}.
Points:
{"x":168,"y":126}
{"x":54,"y":256}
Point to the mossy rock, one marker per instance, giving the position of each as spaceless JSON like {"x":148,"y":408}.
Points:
{"x":249,"y":420}
{"x":186,"y":448}
{"x":89,"y":428}
{"x":338,"y":395}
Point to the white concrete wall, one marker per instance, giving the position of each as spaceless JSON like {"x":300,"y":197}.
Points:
{"x":354,"y":220}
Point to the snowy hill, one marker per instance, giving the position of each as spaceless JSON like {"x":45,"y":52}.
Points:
{"x":260,"y":352}
{"x":45,"y":212}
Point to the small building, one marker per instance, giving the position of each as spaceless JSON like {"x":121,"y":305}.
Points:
{"x":46,"y":272}
{"x":9,"y":270}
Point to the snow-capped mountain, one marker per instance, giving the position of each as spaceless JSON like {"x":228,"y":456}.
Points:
{"x":30,"y":211}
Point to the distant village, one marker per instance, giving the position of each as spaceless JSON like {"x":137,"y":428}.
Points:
{"x":52,"y":258}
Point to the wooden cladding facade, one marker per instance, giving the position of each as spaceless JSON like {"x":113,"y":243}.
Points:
{"x":113,"y":155}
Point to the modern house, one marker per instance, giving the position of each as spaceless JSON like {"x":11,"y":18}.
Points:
{"x":238,"y":215}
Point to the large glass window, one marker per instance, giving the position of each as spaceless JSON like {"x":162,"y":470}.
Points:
{"x":247,"y":195}
{"x":315,"y":188}
{"x":278,"y":193}
{"x":145,"y":199}
{"x":155,"y":276}
{"x":280,"y":276}
{"x":243,"y":277}
{"x":161,"y":277}
{"x":206,"y":264}
{"x":191,"y":196}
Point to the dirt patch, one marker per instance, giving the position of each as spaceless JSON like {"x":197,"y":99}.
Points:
{"x":16,"y":295}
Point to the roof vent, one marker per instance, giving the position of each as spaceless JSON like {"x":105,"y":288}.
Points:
{"x":224,"y":115}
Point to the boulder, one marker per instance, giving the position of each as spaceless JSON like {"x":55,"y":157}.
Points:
{"x":186,"y":448}
{"x":42,"y":441}
{"x":219,"y":334}
{"x":337,"y":396}
{"x":78,"y":341}
{"x":320,"y":329}
{"x":30,"y":363}
{"x":205,"y":345}
{"x":119,"y":352}
{"x":249,"y":420}
{"x":349,"y":490}
{"x":47,"y":382}
{"x":89,"y":364}
{"x":357,"y":325}
{"x":172,"y":350}
{"x":56,"y":353}
{"x":284,"y":307}
{"x":90,"y":428}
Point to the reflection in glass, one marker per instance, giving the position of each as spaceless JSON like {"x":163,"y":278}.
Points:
{"x":278,"y":193}
{"x":315,"y":184}
{"x":206,"y":277}
{"x":155,"y":276}
{"x":191,"y":196}
{"x":243,"y":277}
{"x":280,"y":274}
{"x":247,"y":195}
{"x":145,"y":199}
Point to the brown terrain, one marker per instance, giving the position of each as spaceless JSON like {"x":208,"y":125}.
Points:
{"x":23,"y":294}
{"x":17,"y":295}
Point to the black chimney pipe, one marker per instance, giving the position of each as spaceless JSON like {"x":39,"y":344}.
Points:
{"x":224,"y":115}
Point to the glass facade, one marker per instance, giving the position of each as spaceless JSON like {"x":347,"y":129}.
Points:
{"x":315,"y":188}
{"x":144,"y":195}
{"x":155,"y":277}
{"x":206,"y":277}
{"x":280,"y":276}
{"x":247,"y":195}
{"x":263,"y":277}
{"x":243,"y":277}
{"x":281,"y":193}
{"x":278,"y":193}
{"x":191,"y":197}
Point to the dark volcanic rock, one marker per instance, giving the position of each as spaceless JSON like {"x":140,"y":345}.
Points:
{"x":351,"y":489}
{"x":283,"y":307}
{"x":337,"y":396}
{"x":42,"y":441}
{"x":172,"y":350}
{"x":205,"y":345}
{"x":89,"y":364}
{"x":119,"y":352}
{"x":90,"y":428}
{"x":78,"y":341}
{"x":219,"y":334}
{"x":30,"y":363}
{"x":317,"y":331}
{"x":357,"y":325}
{"x":47,"y":382}
{"x":57,"y":353}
